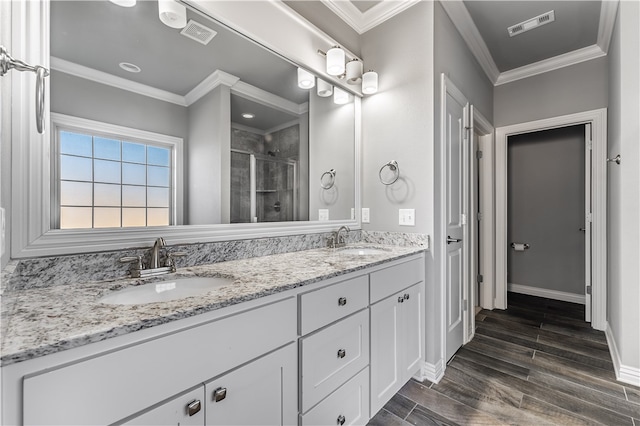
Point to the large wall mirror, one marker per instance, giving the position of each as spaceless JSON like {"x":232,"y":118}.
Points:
{"x":199,"y":133}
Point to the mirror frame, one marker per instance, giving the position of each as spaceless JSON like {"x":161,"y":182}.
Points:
{"x":31,"y":234}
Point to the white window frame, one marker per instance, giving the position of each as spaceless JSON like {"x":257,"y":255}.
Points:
{"x":97,"y":128}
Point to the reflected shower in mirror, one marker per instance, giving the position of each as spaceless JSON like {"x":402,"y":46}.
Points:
{"x":245,"y":143}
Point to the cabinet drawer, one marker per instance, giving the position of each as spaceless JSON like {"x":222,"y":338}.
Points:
{"x":388,"y":281}
{"x":349,"y":403}
{"x":110,"y":387}
{"x":332,"y":356}
{"x":184,"y":410}
{"x":328,"y":304}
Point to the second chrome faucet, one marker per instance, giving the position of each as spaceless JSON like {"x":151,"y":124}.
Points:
{"x":155,"y":266}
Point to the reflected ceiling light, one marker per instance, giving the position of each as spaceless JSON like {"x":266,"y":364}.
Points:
{"x":324,"y":89}
{"x":370,"y":82}
{"x":354,"y":71}
{"x":124,"y":3}
{"x":172,"y":14}
{"x":335,"y":61}
{"x":248,"y":115}
{"x":340,"y":96}
{"x":129,"y":67}
{"x":306,"y":80}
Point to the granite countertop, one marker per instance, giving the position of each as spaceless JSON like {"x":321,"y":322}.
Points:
{"x":42,"y":321}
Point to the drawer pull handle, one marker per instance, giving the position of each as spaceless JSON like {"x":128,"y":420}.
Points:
{"x":400,"y":299}
{"x":406,"y":296}
{"x":341,"y":420}
{"x":219,"y":394}
{"x":194,"y":407}
{"x":342,"y":301}
{"x":342,"y":353}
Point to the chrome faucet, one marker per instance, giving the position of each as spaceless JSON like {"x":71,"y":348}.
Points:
{"x":337,"y":239}
{"x":154,"y":262}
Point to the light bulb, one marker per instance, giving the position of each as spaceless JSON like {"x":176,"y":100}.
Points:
{"x":335,"y":61}
{"x":354,"y":71}
{"x":324,"y":89}
{"x":172,"y":14}
{"x":340,"y":97}
{"x":306,"y":80}
{"x":370,"y":82}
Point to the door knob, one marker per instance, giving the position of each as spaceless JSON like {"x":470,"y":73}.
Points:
{"x":452,"y":240}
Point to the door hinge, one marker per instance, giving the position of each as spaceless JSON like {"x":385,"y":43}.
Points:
{"x":479,"y":216}
{"x":478,"y":154}
{"x":480,"y":278}
{"x":463,"y":219}
{"x":588,"y":289}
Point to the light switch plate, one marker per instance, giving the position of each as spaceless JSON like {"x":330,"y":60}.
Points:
{"x":323,"y":214}
{"x":365,"y":215}
{"x":407,"y":217}
{"x":353,"y":213}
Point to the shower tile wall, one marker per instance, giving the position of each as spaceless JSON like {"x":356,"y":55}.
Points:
{"x":274,"y":181}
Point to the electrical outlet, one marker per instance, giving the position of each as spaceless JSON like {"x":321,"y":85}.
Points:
{"x":407,"y":217}
{"x":353,"y":213}
{"x":323,"y":214}
{"x":365,"y":215}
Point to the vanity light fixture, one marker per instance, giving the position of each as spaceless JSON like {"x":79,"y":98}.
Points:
{"x":248,"y":115}
{"x":340,"y":96}
{"x":306,"y":80}
{"x":124,"y":3}
{"x":335,"y":61}
{"x":324,"y":89}
{"x":172,"y":14}
{"x":354,"y":71}
{"x":370,"y":82}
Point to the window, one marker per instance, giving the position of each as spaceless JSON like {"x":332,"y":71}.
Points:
{"x":112,"y":177}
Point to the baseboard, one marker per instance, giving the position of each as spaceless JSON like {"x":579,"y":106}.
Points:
{"x":624,"y":373}
{"x":432,"y":372}
{"x":549,"y":294}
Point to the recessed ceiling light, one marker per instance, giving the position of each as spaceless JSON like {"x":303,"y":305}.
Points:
{"x":124,"y":3}
{"x":129,"y":67}
{"x":248,"y":115}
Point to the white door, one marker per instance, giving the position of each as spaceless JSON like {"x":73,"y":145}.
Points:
{"x":587,"y":221}
{"x":455,"y":272}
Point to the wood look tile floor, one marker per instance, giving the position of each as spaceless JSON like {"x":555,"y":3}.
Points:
{"x":537,"y":363}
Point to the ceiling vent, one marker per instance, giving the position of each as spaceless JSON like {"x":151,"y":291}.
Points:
{"x":532,"y":23}
{"x":198,"y":32}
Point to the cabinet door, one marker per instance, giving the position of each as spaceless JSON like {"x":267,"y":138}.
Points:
{"x":385,"y":351}
{"x":263,"y":392}
{"x":184,"y":410}
{"x":412,"y":331}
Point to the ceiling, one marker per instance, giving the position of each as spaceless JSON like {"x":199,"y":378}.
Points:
{"x":581,"y":31}
{"x":90,"y":38}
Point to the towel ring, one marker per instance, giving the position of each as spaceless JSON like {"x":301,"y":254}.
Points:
{"x":7,"y":63}
{"x":393,"y":166}
{"x":332,"y":179}
{"x":615,"y":159}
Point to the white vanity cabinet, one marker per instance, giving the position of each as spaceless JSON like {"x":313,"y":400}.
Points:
{"x":186,"y":409}
{"x":397,"y":329}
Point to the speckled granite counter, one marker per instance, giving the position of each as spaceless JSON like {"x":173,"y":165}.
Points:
{"x":42,"y":321}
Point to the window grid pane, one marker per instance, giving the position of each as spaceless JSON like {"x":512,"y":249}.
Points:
{"x":124,"y":183}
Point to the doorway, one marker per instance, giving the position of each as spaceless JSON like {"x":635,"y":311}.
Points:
{"x":596,"y":260}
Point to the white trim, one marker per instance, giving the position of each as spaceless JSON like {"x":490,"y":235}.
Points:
{"x":177,"y":145}
{"x":362,"y":22}
{"x":624,"y":373}
{"x":261,"y":132}
{"x":215,"y":79}
{"x":433,"y":372}
{"x":544,"y":292}
{"x":255,"y":94}
{"x":550,"y":64}
{"x":466,"y":27}
{"x":461,"y":18}
{"x":115,"y":81}
{"x":608,"y":12}
{"x":598,"y":120}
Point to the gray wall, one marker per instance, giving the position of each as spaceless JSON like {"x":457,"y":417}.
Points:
{"x":94,"y":101}
{"x":577,"y":88}
{"x":331,"y":135}
{"x":209,"y":158}
{"x":5,"y":133}
{"x":623,"y":245}
{"x":546,"y":209}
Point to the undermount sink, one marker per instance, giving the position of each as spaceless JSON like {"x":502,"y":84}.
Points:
{"x":164,"y":291}
{"x":362,"y":251}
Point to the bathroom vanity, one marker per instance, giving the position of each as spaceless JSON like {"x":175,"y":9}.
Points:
{"x":313,"y":337}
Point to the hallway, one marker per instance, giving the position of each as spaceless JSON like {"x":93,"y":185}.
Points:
{"x":536,"y":363}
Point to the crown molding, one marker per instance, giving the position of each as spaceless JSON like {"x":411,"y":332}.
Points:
{"x":461,"y":19}
{"x":101,"y":77}
{"x":608,"y":12}
{"x":363,"y":22}
{"x":263,"y":97}
{"x":208,"y":84}
{"x":571,"y":58}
